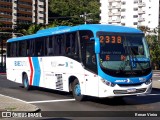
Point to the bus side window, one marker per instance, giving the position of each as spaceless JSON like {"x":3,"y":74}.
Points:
{"x":49,"y":51}
{"x":22,"y":48}
{"x":57,"y":45}
{"x":27,"y":52}
{"x":31,"y":47}
{"x":63,"y":45}
{"x":14,"y":49}
{"x":17,"y":49}
{"x":85,"y":36}
{"x":8,"y":49}
{"x":71,"y":47}
{"x":68,"y":48}
{"x":39,"y":45}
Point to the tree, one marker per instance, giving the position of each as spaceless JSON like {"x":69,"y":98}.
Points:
{"x":154,"y":45}
{"x":34,"y":28}
{"x":154,"y":50}
{"x":22,"y":28}
{"x":72,"y":9}
{"x":145,"y":29}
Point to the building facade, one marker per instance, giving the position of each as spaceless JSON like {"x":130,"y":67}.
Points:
{"x":14,"y":12}
{"x":132,"y":13}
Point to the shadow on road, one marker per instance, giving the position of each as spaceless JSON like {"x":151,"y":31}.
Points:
{"x":50,"y":91}
{"x":129,"y":100}
{"x":154,"y":97}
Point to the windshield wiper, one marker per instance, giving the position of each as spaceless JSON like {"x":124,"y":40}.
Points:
{"x":123,"y":65}
{"x":134,"y":59}
{"x":125,"y":62}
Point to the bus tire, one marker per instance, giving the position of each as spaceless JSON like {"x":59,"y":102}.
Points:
{"x":26,"y":82}
{"x":76,"y":91}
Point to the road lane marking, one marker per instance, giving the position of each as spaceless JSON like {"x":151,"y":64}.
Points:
{"x":46,"y":101}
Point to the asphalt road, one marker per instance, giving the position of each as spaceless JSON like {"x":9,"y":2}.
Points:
{"x":50,"y":100}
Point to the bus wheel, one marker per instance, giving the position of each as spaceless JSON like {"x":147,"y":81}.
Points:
{"x":26,"y":82}
{"x":76,"y":90}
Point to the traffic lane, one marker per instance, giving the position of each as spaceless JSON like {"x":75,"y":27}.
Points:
{"x":35,"y":94}
{"x":41,"y":94}
{"x":138,"y":102}
{"x":16,"y":90}
{"x":129,"y":103}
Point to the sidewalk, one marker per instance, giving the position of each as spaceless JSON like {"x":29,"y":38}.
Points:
{"x":11,"y":104}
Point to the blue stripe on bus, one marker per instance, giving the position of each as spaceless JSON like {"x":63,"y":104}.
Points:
{"x":37,"y":71}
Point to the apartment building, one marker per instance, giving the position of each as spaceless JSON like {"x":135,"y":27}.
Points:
{"x":132,"y":13}
{"x":14,"y":12}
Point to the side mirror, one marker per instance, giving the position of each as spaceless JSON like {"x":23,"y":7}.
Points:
{"x":97,"y":46}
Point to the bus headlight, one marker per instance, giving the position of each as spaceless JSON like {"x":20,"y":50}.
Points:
{"x":107,"y":82}
{"x":148,"y":81}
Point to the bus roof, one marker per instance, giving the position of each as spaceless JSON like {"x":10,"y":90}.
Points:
{"x":65,"y":29}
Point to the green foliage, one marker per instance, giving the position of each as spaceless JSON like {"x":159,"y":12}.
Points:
{"x":22,"y":28}
{"x":65,"y":12}
{"x":56,"y":23}
{"x":34,"y":28}
{"x":145,"y":29}
{"x":74,"y":8}
{"x":154,"y":46}
{"x":28,"y":28}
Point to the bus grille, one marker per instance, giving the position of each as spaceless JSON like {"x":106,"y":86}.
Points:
{"x":130,"y":85}
{"x":125,"y":91}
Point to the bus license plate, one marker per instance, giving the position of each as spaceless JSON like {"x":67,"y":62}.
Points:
{"x":131,"y":90}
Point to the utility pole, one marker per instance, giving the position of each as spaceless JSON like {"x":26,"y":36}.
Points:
{"x":85,"y":15}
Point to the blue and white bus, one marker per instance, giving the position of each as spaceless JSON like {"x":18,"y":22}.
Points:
{"x":89,"y":60}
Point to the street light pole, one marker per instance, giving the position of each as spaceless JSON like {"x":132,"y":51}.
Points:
{"x":85,"y":17}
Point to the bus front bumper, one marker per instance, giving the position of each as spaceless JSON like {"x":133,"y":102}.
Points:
{"x":107,"y":91}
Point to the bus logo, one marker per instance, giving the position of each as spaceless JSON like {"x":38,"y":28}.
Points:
{"x":129,"y":81}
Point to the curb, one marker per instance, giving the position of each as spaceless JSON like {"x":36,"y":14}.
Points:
{"x":13,"y":104}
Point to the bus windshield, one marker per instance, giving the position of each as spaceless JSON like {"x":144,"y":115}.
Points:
{"x":123,"y":54}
